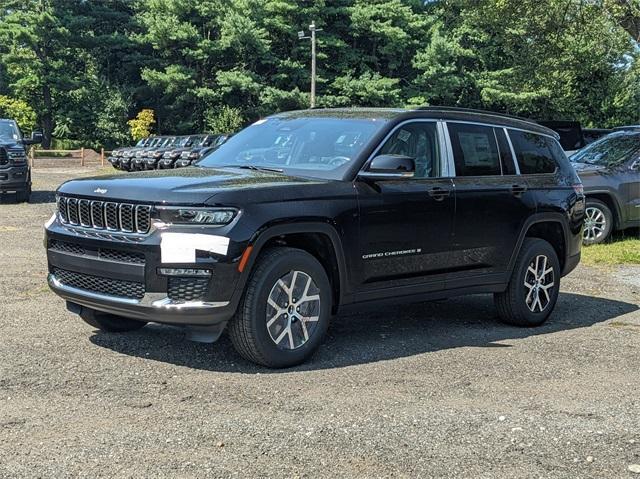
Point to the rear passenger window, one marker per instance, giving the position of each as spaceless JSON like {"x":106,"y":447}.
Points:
{"x":508,"y":165}
{"x":535,"y":153}
{"x":475,"y":150}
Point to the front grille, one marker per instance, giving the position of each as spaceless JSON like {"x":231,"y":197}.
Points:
{"x":4,"y":158}
{"x":96,"y":284}
{"x":187,"y":289}
{"x":121,"y":256}
{"x":124,"y":217}
{"x":66,"y":247}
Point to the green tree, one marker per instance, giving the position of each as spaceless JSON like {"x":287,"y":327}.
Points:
{"x":19,"y":111}
{"x":141,"y":125}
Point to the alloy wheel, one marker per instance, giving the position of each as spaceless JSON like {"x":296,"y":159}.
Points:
{"x":594,"y":224}
{"x":538,"y":280}
{"x":293,"y":310}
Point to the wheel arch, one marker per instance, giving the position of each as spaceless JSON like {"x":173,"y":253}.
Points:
{"x":610,"y":200}
{"x":551,"y":227}
{"x":320,"y":239}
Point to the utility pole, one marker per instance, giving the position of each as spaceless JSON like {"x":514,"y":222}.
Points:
{"x":301,"y":36}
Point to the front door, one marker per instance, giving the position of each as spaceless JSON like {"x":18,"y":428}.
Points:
{"x":405,"y":225}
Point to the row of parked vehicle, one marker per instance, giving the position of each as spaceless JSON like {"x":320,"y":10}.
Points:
{"x":165,"y":152}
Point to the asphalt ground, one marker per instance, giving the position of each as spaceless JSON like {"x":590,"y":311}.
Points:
{"x":436,"y":389}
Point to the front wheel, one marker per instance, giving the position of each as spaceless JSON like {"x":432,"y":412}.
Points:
{"x":285,"y":310}
{"x":110,"y":322}
{"x":534,"y":286}
{"x":24,"y":196}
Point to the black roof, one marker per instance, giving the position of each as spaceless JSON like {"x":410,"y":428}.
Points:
{"x":438,"y":112}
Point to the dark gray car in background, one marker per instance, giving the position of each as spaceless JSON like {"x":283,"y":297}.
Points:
{"x":610,"y":172}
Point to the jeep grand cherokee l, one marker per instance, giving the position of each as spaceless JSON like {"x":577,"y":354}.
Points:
{"x":305,"y":213}
{"x":610,"y":172}
{"x":15,"y":173}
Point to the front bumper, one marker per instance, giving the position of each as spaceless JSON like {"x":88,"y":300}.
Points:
{"x":133,"y":262}
{"x":153,"y":307}
{"x":14,"y":178}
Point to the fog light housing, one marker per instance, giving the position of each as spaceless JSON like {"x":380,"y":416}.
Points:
{"x":188,"y":272}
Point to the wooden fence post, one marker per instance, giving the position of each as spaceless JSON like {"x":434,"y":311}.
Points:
{"x":82,"y":156}
{"x":32,"y":155}
{"x":102,"y":156}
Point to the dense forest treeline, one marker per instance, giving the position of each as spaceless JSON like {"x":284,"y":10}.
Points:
{"x":79,"y":69}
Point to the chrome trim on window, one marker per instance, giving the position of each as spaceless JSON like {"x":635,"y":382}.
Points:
{"x":513,"y":151}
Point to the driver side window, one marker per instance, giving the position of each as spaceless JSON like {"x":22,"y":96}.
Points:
{"x":418,"y":140}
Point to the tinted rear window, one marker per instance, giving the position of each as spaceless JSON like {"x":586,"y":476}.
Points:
{"x":475,"y":150}
{"x":536,"y":154}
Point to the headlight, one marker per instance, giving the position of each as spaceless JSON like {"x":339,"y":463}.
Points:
{"x":195,"y":216}
{"x":18,"y":157}
{"x":157,"y":154}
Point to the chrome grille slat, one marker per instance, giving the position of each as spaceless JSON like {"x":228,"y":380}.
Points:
{"x":84,"y":213}
{"x":62,"y":209}
{"x":111,"y":216}
{"x":97,"y":214}
{"x":72,"y":207}
{"x":100,"y":215}
{"x":126,"y":218}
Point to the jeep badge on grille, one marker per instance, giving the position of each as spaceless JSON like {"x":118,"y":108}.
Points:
{"x":101,"y":191}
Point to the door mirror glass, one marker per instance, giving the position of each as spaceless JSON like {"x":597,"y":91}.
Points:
{"x":390,"y":167}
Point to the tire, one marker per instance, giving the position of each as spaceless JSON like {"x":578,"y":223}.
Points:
{"x":287,"y":335}
{"x":110,"y":322}
{"x":23,"y":196}
{"x":598,"y":222}
{"x":521,"y":305}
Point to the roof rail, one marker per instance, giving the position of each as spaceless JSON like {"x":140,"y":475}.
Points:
{"x":474,"y":110}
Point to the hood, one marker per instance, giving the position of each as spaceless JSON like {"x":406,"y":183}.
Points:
{"x":11,"y":144}
{"x":586,"y":167}
{"x":185,"y":186}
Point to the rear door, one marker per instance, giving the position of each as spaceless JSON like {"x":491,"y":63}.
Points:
{"x":492,"y":204}
{"x":406,"y":224}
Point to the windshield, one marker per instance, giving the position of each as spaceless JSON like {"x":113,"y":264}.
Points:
{"x":610,"y":150}
{"x":9,"y":131}
{"x":181,"y":141}
{"x":317,"y":147}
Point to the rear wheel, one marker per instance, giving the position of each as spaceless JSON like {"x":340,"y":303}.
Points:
{"x":598,"y":222}
{"x":110,"y":322}
{"x":533,"y":290}
{"x":285,"y":311}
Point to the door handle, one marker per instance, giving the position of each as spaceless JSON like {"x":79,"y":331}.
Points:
{"x":438,"y":193}
{"x":518,"y":190}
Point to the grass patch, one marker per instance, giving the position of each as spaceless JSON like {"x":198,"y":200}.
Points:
{"x":623,"y":251}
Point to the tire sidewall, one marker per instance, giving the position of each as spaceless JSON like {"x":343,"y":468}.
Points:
{"x":539,"y":247}
{"x":306,"y":263}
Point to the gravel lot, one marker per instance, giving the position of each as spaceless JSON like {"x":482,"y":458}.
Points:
{"x":429,"y":390}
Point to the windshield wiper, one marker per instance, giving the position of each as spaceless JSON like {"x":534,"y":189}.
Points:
{"x":259,"y":168}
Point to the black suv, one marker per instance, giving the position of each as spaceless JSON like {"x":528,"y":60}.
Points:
{"x":207,"y":144}
{"x":305,"y":213}
{"x":15,"y":174}
{"x":610,"y":172}
{"x":118,"y":153}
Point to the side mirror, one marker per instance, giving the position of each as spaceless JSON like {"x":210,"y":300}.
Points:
{"x":389,"y":167}
{"x":36,"y":138}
